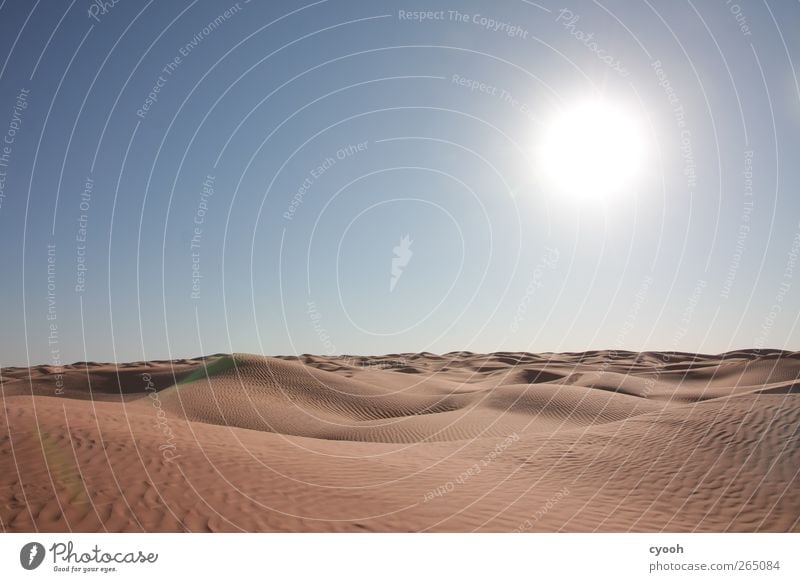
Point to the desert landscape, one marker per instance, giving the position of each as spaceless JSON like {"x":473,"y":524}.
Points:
{"x":502,"y":442}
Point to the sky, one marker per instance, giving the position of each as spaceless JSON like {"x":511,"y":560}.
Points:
{"x":366,"y":177}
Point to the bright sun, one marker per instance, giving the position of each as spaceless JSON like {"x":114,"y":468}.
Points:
{"x":592,"y":151}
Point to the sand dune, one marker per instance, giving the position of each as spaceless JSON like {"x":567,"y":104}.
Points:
{"x":592,"y":441}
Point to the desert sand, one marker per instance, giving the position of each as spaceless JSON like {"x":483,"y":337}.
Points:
{"x":593,"y":441}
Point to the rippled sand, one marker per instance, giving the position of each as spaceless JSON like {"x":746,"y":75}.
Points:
{"x":594,"y":441}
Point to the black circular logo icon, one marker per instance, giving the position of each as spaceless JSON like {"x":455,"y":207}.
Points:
{"x":31,"y":555}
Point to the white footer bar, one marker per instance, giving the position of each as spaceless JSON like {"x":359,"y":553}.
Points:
{"x":389,"y":557}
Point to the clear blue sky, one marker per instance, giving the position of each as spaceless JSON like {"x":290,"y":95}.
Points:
{"x":251,"y":147}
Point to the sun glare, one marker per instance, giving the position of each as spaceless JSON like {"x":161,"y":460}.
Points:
{"x":592,"y":151}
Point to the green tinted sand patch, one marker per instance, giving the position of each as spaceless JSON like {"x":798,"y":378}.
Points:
{"x":208,"y":369}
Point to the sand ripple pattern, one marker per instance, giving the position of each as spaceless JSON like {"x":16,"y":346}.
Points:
{"x":594,"y":441}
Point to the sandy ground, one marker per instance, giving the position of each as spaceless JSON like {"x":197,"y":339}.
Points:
{"x":595,"y":441}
